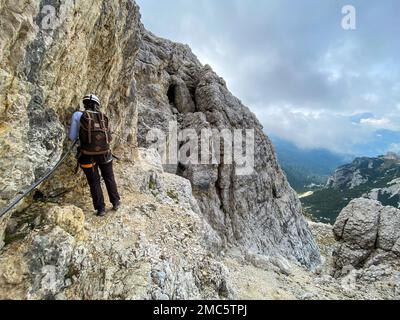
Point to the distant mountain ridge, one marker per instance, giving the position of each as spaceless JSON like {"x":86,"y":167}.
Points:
{"x":363,"y":170}
{"x":374,"y":178}
{"x":306,"y":168}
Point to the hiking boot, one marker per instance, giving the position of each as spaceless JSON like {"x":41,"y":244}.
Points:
{"x":101,"y":213}
{"x":117,"y":206}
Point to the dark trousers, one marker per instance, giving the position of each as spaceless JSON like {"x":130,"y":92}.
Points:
{"x":94,"y":181}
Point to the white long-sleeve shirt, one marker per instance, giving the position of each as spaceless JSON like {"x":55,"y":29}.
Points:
{"x":75,"y":126}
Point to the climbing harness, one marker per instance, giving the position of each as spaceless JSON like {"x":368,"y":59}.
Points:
{"x":88,"y":166}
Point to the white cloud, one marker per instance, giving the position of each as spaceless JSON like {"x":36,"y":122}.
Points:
{"x":292,"y":64}
{"x":377,"y":123}
{"x":314,"y":129}
{"x":395,"y":147}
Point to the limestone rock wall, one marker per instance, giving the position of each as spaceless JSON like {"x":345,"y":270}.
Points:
{"x":45,"y":74}
{"x":45,"y":70}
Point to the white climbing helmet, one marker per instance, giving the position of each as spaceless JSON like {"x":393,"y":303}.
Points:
{"x":92,"y":97}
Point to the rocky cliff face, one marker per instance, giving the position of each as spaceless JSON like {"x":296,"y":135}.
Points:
{"x":257,"y":212}
{"x":171,"y":235}
{"x":103,"y":48}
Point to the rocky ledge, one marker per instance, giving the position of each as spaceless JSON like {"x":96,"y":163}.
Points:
{"x":155,"y":247}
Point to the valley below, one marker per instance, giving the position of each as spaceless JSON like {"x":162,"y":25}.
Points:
{"x":371,"y":178}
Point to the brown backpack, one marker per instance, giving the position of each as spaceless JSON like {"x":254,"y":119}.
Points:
{"x":94,"y":134}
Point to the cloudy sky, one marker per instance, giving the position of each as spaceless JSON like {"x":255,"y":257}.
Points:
{"x":292,"y":63}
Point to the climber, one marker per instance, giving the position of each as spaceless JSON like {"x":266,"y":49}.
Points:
{"x":91,"y":127}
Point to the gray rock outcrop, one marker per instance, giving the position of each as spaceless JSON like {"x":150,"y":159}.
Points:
{"x":368,"y":234}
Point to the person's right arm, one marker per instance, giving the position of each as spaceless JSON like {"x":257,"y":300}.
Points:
{"x":75,"y":126}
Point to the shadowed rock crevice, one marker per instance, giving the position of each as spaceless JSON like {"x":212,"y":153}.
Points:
{"x":172,"y":95}
{"x":179,"y":97}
